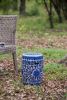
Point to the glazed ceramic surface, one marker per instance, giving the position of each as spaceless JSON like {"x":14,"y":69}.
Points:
{"x":32,"y":65}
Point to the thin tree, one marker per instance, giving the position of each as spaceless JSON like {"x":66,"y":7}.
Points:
{"x":49,"y":10}
{"x":22,"y":7}
{"x":64,"y":8}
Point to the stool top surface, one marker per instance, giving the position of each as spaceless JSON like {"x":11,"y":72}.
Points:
{"x":32,"y":55}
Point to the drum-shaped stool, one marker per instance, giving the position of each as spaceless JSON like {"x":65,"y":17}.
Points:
{"x":32,"y":65}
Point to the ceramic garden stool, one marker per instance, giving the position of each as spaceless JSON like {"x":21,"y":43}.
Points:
{"x":32,"y":65}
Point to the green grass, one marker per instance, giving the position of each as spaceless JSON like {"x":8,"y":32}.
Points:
{"x":5,"y":56}
{"x":30,"y":26}
{"x":55,"y":71}
{"x":39,"y":25}
{"x":48,"y":53}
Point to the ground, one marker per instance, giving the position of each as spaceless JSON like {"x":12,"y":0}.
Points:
{"x":34,"y":35}
{"x":54,"y":85}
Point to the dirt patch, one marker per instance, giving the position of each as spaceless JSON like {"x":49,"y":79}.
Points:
{"x":11,"y":89}
{"x":47,"y":42}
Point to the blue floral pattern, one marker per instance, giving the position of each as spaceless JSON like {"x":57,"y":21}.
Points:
{"x":32,"y":69}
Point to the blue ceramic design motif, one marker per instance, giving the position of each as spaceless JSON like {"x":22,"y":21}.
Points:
{"x":36,"y":73}
{"x":32,"y":65}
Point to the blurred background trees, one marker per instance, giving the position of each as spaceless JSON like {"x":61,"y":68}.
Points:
{"x":6,"y":5}
{"x":22,"y":7}
{"x":58,"y":6}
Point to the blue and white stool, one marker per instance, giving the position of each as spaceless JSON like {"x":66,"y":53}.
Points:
{"x":32,"y":65}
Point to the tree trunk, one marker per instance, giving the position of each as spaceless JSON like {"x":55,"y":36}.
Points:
{"x":50,"y":15}
{"x":64,"y":8}
{"x":22,"y":7}
{"x":15,"y":5}
{"x":57,"y":6}
{"x":49,"y":10}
